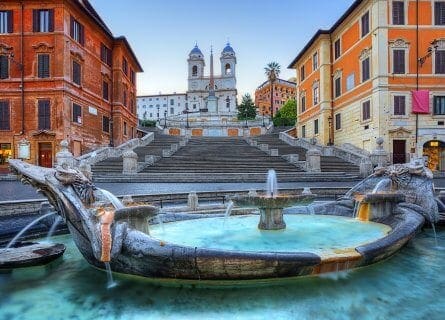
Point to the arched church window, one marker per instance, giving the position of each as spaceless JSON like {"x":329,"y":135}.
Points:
{"x":228,"y":69}
{"x":194,"y":71}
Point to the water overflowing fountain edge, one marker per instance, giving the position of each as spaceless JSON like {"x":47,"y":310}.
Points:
{"x":134,"y":252}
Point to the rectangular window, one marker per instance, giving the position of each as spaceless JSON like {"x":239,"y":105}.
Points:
{"x":44,"y":115}
{"x":337,"y":85}
{"x":338,"y":121}
{"x":399,"y":105}
{"x":4,"y":67}
{"x":105,"y":90}
{"x":303,"y":131}
{"x":125,"y":66}
{"x":172,"y":102}
{"x":365,"y":70}
{"x":398,"y":12}
{"x":124,"y":97}
{"x":132,"y":76}
{"x":316,"y":126}
{"x":303,"y":103}
{"x":105,"y":124}
{"x":105,"y":54}
{"x":43,"y":20}
{"x":398,"y":61}
{"x":77,"y":113}
{"x":366,"y":110}
{"x":439,"y":105}
{"x":337,"y":49}
{"x":6,"y":23}
{"x":439,"y":61}
{"x":302,"y":75}
{"x":365,"y":24}
{"x":5,"y":121}
{"x":315,"y":95}
{"x":77,"y":73}
{"x":43,"y":65}
{"x":77,"y":31}
{"x":439,"y":13}
{"x":350,"y":82}
{"x":315,"y":61}
{"x":172,"y":110}
{"x":125,"y":128}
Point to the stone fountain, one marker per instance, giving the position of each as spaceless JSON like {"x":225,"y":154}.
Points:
{"x":104,"y":232}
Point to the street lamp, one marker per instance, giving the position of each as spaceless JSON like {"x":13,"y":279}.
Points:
{"x":330,"y":130}
{"x":165,"y":119}
{"x":434,"y":46}
{"x":245,"y":116}
{"x":157,"y":107}
{"x":187,"y":115}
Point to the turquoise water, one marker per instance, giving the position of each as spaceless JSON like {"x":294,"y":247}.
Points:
{"x":317,"y":234}
{"x":410,"y":285}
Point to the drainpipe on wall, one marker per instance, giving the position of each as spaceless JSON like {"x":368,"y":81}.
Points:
{"x":331,"y":72}
{"x":417,"y":66}
{"x":22,"y":71}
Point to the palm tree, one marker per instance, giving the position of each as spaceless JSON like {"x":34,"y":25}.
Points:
{"x":272,"y":71}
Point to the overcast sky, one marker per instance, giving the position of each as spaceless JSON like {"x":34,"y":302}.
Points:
{"x":162,"y":33}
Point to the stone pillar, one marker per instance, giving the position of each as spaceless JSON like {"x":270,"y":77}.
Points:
{"x":64,"y":158}
{"x":379,"y":157}
{"x":271,"y":219}
{"x":192,"y":201}
{"x":366,"y":167}
{"x":130,"y":162}
{"x":313,"y":158}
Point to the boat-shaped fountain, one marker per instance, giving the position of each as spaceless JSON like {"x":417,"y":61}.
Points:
{"x":124,"y":238}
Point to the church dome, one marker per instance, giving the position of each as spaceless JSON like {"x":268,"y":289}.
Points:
{"x":196,"y":51}
{"x":228,"y":49}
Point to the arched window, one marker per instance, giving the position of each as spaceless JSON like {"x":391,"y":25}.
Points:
{"x":228,"y":69}
{"x":194,"y":71}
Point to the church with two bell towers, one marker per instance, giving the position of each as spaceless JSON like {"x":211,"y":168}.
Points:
{"x":212,"y":93}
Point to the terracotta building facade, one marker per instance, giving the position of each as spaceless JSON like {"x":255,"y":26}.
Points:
{"x":378,"y":72}
{"x":282,"y":90}
{"x":63,"y":75}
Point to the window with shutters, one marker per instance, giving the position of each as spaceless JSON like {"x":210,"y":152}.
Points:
{"x":125,"y":128}
{"x":398,"y":12}
{"x":398,"y":61}
{"x":338,"y":121}
{"x":4,"y":67}
{"x":77,"y":31}
{"x":77,"y":73}
{"x":105,"y":54}
{"x":365,"y":24}
{"x":315,"y":93}
{"x":44,"y":115}
{"x":365,"y":69}
{"x":6,"y":23}
{"x":302,"y":75}
{"x":439,"y":105}
{"x":77,"y":113}
{"x":105,"y":90}
{"x":124,"y":97}
{"x":43,"y":65}
{"x":439,"y":13}
{"x":303,"y":131}
{"x":337,"y":87}
{"x":132,"y":76}
{"x":303,"y":102}
{"x":337,"y":49}
{"x":316,"y":126}
{"x":105,"y":124}
{"x":315,"y":61}
{"x":43,"y":20}
{"x":399,"y":105}
{"x":439,"y":62}
{"x":366,"y":110}
{"x":5,"y":116}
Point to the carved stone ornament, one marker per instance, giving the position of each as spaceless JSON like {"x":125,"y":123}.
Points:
{"x":399,"y":43}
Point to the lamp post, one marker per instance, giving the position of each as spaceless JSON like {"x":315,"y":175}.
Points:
{"x":187,"y":115}
{"x":157,"y":107}
{"x":434,"y":46}
{"x":330,"y":131}
{"x":245,"y":117}
{"x":165,"y":119}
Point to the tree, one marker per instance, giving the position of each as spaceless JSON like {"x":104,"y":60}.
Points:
{"x":247,"y":108}
{"x":287,"y":115}
{"x":272,"y":71}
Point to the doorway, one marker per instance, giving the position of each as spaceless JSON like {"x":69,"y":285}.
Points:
{"x":45,"y":154}
{"x":399,"y":151}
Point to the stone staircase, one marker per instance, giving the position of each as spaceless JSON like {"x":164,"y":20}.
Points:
{"x":114,"y":165}
{"x":328,"y":163}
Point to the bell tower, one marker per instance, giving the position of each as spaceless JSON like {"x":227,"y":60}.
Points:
{"x":196,"y":66}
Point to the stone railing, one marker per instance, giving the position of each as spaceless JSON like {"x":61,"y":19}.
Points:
{"x":103,"y":153}
{"x":346,"y":152}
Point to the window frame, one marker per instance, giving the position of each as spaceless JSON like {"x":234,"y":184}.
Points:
{"x":5,"y":59}
{"x":77,"y":31}
{"x":439,"y":68}
{"x":437,"y":20}
{"x":365,"y":28}
{"x":303,"y":131}
{"x":9,"y":21}
{"x":315,"y":61}
{"x":41,"y":74}
{"x":337,"y":121}
{"x":366,"y":114}
{"x":438,"y":97}
{"x":395,"y":65}
{"x":76,"y":79}
{"x":76,"y":117}
{"x":396,"y":108}
{"x":44,"y":114}
{"x":106,"y":55}
{"x":316,"y":127}
{"x":302,"y":73}
{"x":403,"y":12}
{"x":337,"y":49}
{"x":37,"y":25}
{"x":316,"y":94}
{"x":367,"y":69}
{"x":5,"y":110}
{"x":106,"y":90}
{"x":337,"y":86}
{"x":107,"y":123}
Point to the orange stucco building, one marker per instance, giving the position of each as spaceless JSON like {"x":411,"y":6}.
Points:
{"x":63,"y":75}
{"x":282,"y":91}
{"x":362,"y":79}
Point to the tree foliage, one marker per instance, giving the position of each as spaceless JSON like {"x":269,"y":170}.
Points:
{"x":272,"y":70}
{"x":246,"y":108}
{"x":287,"y":115}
